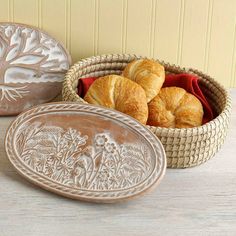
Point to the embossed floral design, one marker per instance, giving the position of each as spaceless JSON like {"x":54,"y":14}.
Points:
{"x":100,"y":140}
{"x":110,"y":147}
{"x":64,"y":156}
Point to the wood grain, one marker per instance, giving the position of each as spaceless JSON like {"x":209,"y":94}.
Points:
{"x":195,"y":201}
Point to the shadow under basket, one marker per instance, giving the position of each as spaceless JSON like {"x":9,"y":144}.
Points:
{"x":185,"y":147}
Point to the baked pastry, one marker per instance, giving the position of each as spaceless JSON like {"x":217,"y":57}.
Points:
{"x":173,"y":107}
{"x":147,"y":73}
{"x":120,"y":93}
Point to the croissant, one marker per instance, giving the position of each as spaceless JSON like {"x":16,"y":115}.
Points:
{"x":120,"y":93}
{"x":173,"y":107}
{"x":147,"y":73}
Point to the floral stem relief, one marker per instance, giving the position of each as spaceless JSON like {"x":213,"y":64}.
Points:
{"x":66,"y":157}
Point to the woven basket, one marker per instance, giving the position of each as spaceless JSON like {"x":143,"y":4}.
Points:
{"x":184,"y":147}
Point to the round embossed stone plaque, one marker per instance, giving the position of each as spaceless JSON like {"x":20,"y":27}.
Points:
{"x":32,"y":67}
{"x":85,"y":152}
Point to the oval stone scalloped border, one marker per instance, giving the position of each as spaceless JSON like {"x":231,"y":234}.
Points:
{"x":76,"y":187}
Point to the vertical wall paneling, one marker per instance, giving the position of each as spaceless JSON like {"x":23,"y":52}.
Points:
{"x":11,"y":10}
{"x":96,"y":27}
{"x":194,"y":34}
{"x":110,"y":27}
{"x":233,"y":67}
{"x":180,"y":31}
{"x":208,"y":34}
{"x":221,"y":45}
{"x":68,"y":24}
{"x":166,"y":32}
{"x":138,"y":26}
{"x":54,"y":18}
{"x":26,"y":11}
{"x":153,"y":27}
{"x":39,"y":13}
{"x":124,"y":25}
{"x":4,"y":11}
{"x":82,"y":28}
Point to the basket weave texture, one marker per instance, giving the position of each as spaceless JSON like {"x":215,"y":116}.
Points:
{"x":184,"y":147}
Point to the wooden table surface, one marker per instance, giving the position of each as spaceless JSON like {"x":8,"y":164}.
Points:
{"x":195,"y":201}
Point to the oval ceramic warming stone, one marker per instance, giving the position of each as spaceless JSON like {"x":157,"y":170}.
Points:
{"x":85,"y":152}
{"x":32,"y":67}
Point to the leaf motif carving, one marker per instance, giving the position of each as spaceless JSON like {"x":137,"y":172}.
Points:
{"x":28,"y":59}
{"x":28,"y":49}
{"x":64,"y":156}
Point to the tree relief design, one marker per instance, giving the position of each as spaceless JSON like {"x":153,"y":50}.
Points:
{"x":73,"y":159}
{"x":27,"y":56}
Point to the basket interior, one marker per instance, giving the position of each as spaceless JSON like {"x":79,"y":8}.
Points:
{"x":214,"y":92}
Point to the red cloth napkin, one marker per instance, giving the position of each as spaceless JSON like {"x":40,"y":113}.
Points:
{"x":186,"y":81}
{"x":84,"y":85}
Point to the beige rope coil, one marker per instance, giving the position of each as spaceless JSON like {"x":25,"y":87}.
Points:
{"x":184,"y":147}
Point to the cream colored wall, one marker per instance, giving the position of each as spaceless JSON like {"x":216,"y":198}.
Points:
{"x":196,"y":33}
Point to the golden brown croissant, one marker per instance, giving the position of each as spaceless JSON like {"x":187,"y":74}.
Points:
{"x":173,"y":107}
{"x":120,"y":93}
{"x":147,"y":73}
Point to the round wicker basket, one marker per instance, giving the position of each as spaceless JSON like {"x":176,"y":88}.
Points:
{"x":184,"y":147}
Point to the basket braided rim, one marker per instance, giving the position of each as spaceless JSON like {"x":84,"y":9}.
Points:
{"x":94,"y":63}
